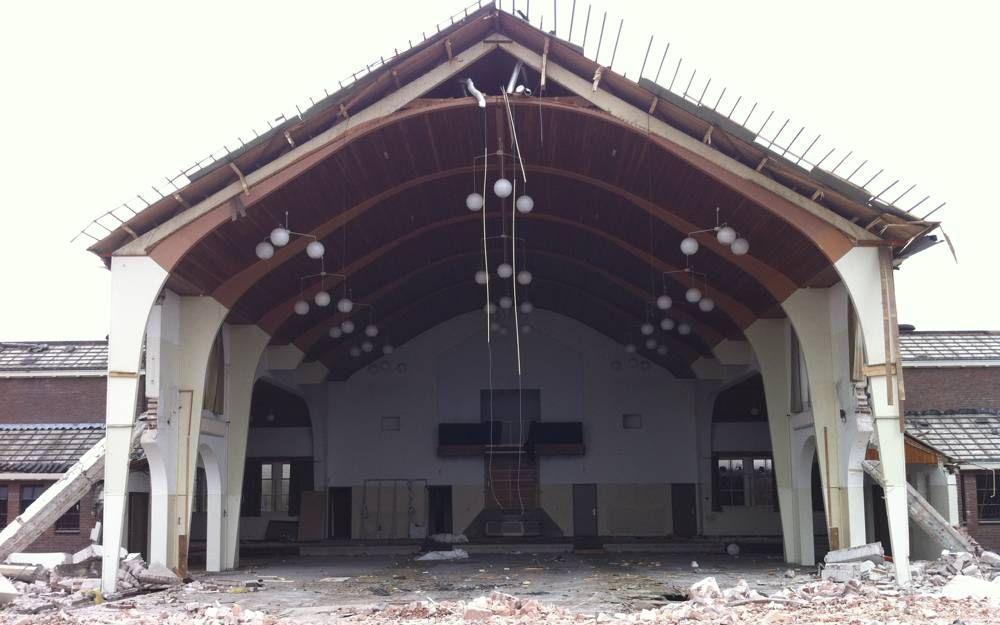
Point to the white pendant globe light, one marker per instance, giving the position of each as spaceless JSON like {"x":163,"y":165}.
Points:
{"x":684,"y":329}
{"x":315,"y":250}
{"x":482,"y":277}
{"x":367,"y":346}
{"x":524,"y":277}
{"x":664,"y":302}
{"x":504,"y":270}
{"x":689,"y":246}
{"x":490,"y":308}
{"x":387,"y":349}
{"x":347,"y":326}
{"x":693,"y":295}
{"x":646,"y":329}
{"x":264,"y":250}
{"x":740,"y":246}
{"x":526,"y":308}
{"x":355,"y":351}
{"x":279,"y":237}
{"x":650,"y":343}
{"x":629,"y":348}
{"x":525,"y":204}
{"x":725,"y":235}
{"x":707,"y":304}
{"x":371,"y":330}
{"x":345,"y":305}
{"x":506,"y":302}
{"x":474,"y":201}
{"x":662,"y":350}
{"x":502,"y":188}
{"x":336,"y":332}
{"x":667,"y":324}
{"x":301,"y":307}
{"x":322,"y":299}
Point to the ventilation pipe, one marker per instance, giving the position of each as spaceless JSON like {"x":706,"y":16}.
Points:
{"x":480,"y":98}
{"x":512,"y":83}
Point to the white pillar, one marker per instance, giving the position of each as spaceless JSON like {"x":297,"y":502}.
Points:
{"x":213,"y":456}
{"x":892,"y":460}
{"x":135,"y":283}
{"x":246,"y":344}
{"x":770,"y":341}
{"x":804,"y":451}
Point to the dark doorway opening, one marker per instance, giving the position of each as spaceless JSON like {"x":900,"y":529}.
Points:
{"x":585,"y":515}
{"x":340,"y":512}
{"x":683,"y":502}
{"x":439,"y":510}
{"x":138,"y":523}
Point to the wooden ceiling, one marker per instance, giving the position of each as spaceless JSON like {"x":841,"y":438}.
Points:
{"x":611,"y":207}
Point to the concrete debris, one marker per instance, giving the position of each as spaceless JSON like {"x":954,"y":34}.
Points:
{"x":7,"y":591}
{"x":454,"y":554}
{"x":871,"y":552}
{"x":846,"y":571}
{"x":449,"y":539}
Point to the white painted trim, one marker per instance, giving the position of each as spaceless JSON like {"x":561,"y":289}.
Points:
{"x":949,"y":364}
{"x":30,"y":477}
{"x":89,"y":373}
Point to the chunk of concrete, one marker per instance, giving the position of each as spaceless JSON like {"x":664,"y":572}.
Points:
{"x":48,"y":560}
{"x":990,"y":559}
{"x":705,"y":591}
{"x":871,"y":552}
{"x":846,"y":571}
{"x":7,"y":591}
{"x":963,"y":587}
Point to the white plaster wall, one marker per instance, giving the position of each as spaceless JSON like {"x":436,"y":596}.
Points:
{"x":279,"y":442}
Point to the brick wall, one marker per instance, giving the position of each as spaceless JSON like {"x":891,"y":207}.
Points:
{"x":987,"y":533}
{"x":51,"y":540}
{"x":952,"y":388}
{"x":52,"y":400}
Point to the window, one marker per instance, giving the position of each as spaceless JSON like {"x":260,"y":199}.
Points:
{"x":29,"y":493}
{"x":763,"y":482}
{"x":987,"y":497}
{"x":275,"y":486}
{"x":731,"y":483}
{"x":3,"y":506}
{"x":69,"y":523}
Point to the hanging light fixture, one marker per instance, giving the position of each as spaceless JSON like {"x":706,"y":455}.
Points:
{"x":707,"y":304}
{"x":482,"y":277}
{"x":355,"y":351}
{"x":646,"y":328}
{"x":347,"y":326}
{"x":689,"y":246}
{"x":490,"y":308}
{"x":667,"y":324}
{"x":664,"y":302}
{"x":280,"y":236}
{"x":525,"y":204}
{"x":371,"y":330}
{"x":684,"y":329}
{"x":322,"y":299}
{"x":503,"y":188}
{"x":264,"y":250}
{"x":524,"y":277}
{"x":315,"y":250}
{"x":367,"y":346}
{"x":474,"y":202}
{"x":345,"y":305}
{"x":629,"y":348}
{"x":336,"y":332}
{"x":526,"y":308}
{"x":387,"y":349}
{"x":506,"y":302}
{"x":740,"y":246}
{"x":650,"y":343}
{"x":301,"y":307}
{"x":693,"y":294}
{"x":504,"y":270}
{"x":725,"y":235}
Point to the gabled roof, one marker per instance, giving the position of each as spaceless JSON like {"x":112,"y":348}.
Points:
{"x":964,"y":437}
{"x":54,"y":356}
{"x":46,"y":448}
{"x":959,"y":347}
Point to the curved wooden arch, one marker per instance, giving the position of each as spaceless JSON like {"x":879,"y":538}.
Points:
{"x":332,"y":356}
{"x":310,"y":337}
{"x":168,"y":243}
{"x":739,"y":314}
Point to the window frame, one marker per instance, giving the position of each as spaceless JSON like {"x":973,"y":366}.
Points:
{"x":22,"y":507}
{"x":275,"y":497}
{"x":985,"y":484}
{"x":4,"y":502}
{"x":749,"y":496}
{"x":63,"y":526}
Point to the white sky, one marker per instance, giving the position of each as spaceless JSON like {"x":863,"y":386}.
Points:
{"x":100,"y":100}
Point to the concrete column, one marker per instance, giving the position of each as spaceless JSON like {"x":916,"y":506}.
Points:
{"x":803,"y":502}
{"x":770,"y":341}
{"x":245,"y":345}
{"x":942,"y":486}
{"x":212,"y":450}
{"x":135,"y":283}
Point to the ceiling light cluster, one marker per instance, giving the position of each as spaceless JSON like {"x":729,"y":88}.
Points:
{"x":724,"y":234}
{"x":282,"y":236}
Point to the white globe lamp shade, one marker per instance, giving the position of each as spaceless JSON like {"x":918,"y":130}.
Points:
{"x":347,"y":326}
{"x":684,"y":329}
{"x":315,"y":250}
{"x":301,"y":307}
{"x":345,"y":305}
{"x":667,"y":324}
{"x":279,"y":237}
{"x":693,"y":295}
{"x":264,"y":250}
{"x":322,"y":299}
{"x":502,"y":188}
{"x":689,"y":246}
{"x":525,"y":204}
{"x":387,"y":349}
{"x":650,"y":343}
{"x":355,"y":351}
{"x":482,"y":277}
{"x":336,"y":332}
{"x":725,"y":235}
{"x":371,"y":330}
{"x":629,"y":348}
{"x":646,"y":329}
{"x":474,"y":202}
{"x":504,"y":270}
{"x":367,"y":346}
{"x":506,"y":302}
{"x":664,"y":302}
{"x":526,"y":308}
{"x":740,"y":246}
{"x":490,"y":308}
{"x":524,"y":277}
{"x":662,"y":350}
{"x":707,"y":304}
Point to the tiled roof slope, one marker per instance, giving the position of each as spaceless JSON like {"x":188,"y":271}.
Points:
{"x":54,"y":356}
{"x":966,"y":437}
{"x":46,"y":448}
{"x":975,"y":345}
